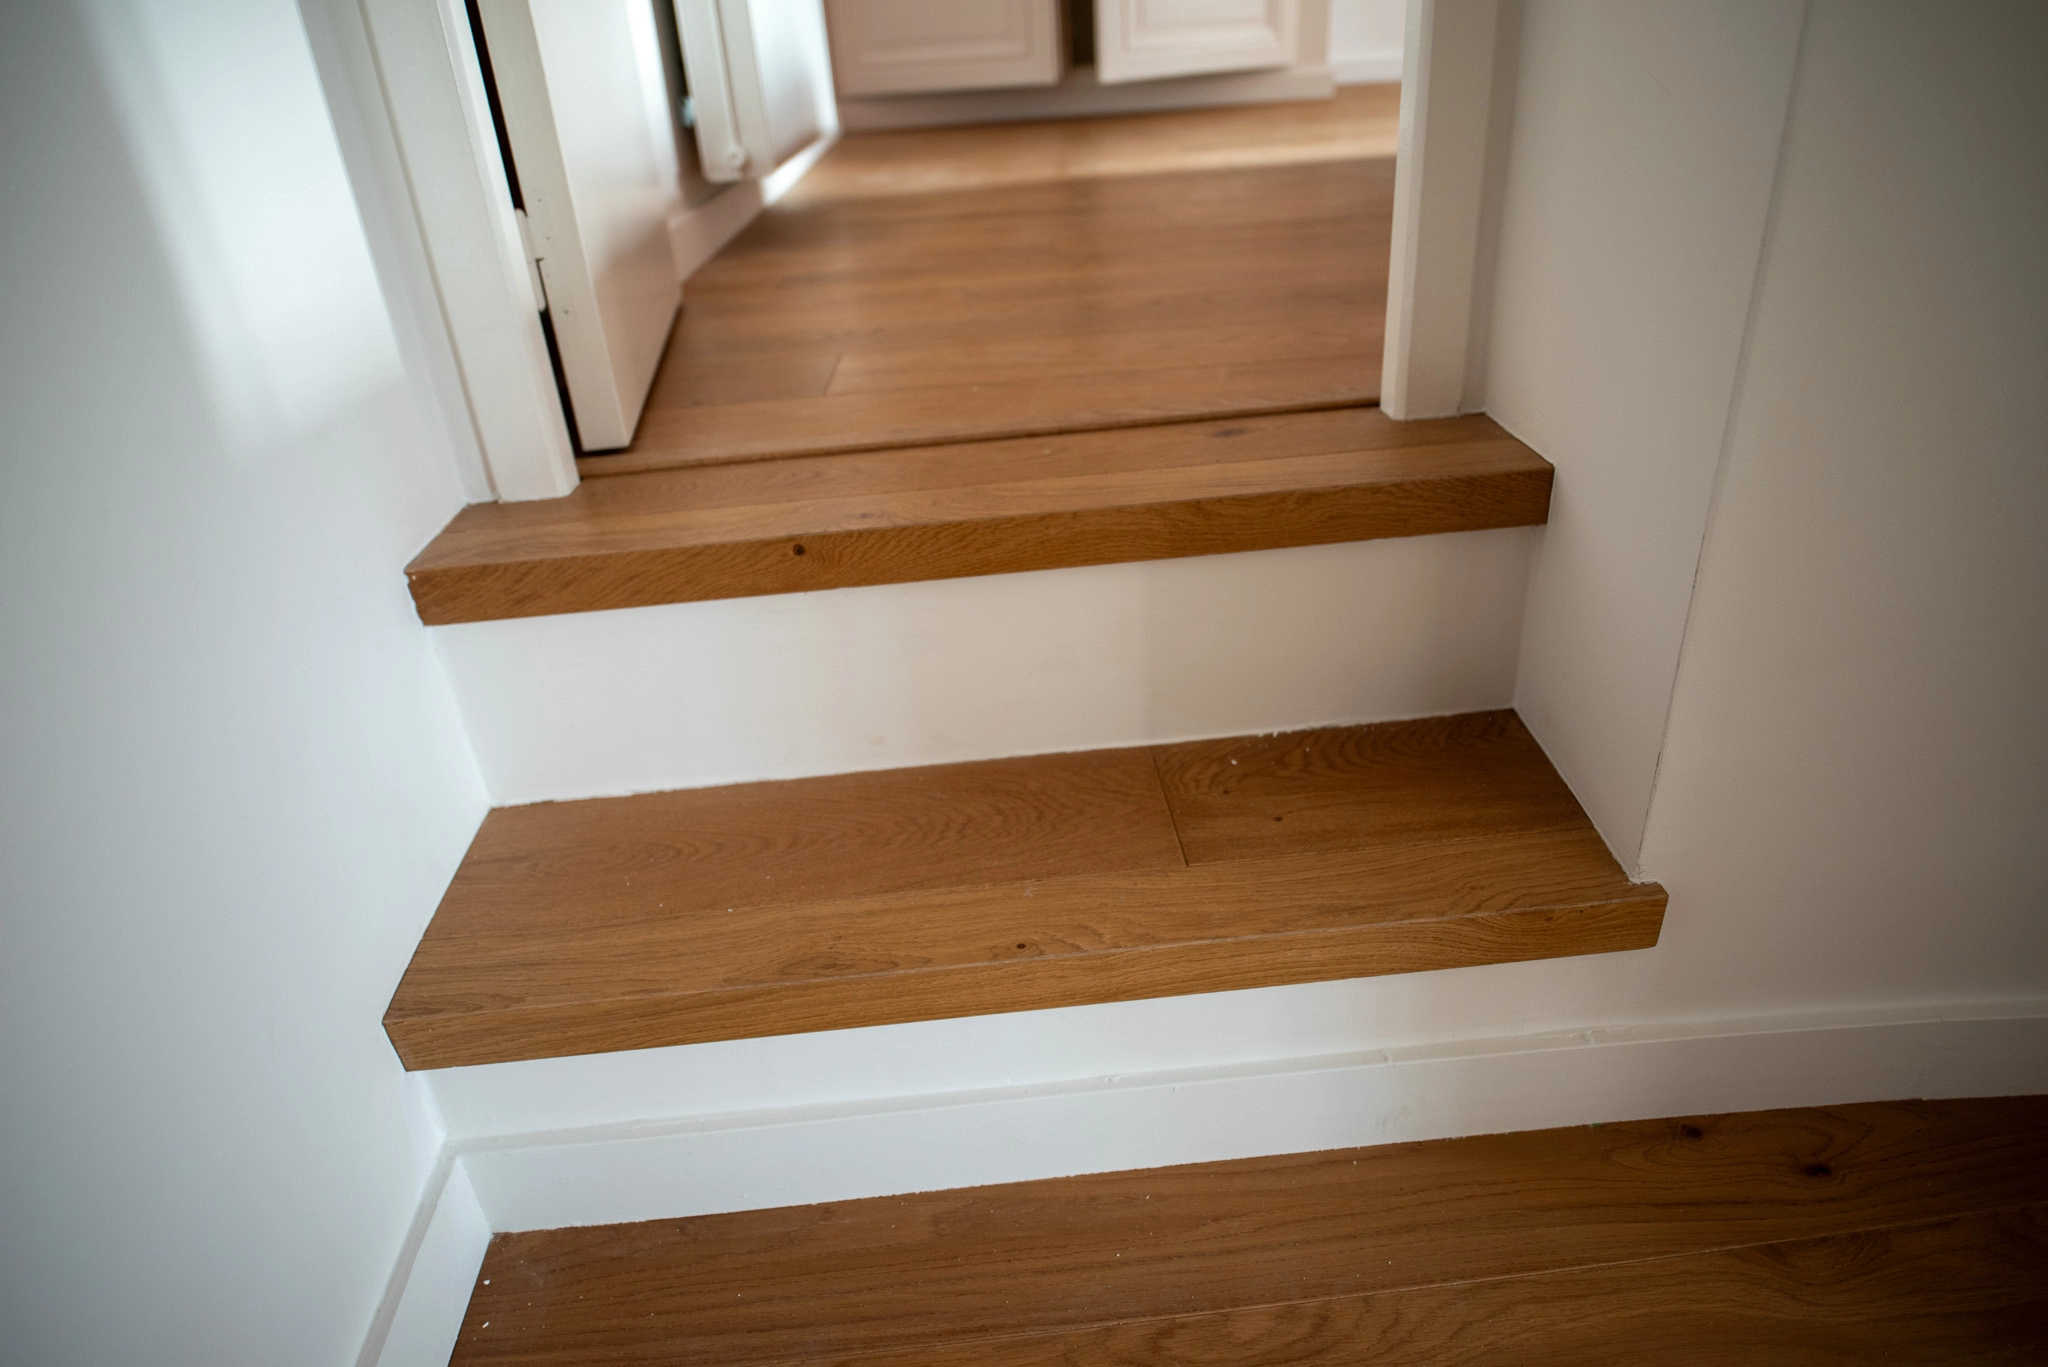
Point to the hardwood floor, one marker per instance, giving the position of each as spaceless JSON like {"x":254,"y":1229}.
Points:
{"x":989,"y":507}
{"x":1898,"y":1232}
{"x":1010,"y":885}
{"x":957,"y":284}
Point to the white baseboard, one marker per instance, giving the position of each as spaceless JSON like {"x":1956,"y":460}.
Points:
{"x":799,"y":1155}
{"x":1366,"y":68}
{"x":695,"y":235}
{"x":1080,"y":96}
{"x":417,"y":1324}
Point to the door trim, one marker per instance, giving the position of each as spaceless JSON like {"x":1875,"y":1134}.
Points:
{"x":441,"y":119}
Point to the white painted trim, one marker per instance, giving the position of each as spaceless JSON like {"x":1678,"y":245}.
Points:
{"x":1447,"y":83}
{"x":698,"y":233}
{"x":433,"y":92}
{"x":1081,"y":95}
{"x":879,"y":1146}
{"x":1366,"y":68}
{"x":421,"y":1314}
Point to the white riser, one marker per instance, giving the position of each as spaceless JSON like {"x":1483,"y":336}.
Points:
{"x":880,"y":1145}
{"x":693,"y":694}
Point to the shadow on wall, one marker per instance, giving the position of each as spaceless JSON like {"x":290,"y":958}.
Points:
{"x":221,"y":106}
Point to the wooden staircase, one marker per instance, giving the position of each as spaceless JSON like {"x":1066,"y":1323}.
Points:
{"x":1014,"y":884}
{"x":1008,"y":884}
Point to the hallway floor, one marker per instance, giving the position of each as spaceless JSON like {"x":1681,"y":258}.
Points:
{"x":1009,"y":280}
{"x":1900,"y":1232}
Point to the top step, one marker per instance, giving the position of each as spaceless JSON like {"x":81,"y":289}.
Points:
{"x":987,"y":507}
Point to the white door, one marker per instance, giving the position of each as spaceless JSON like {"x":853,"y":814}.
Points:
{"x":760,"y":82}
{"x":586,"y":113}
{"x":1142,"y":40}
{"x":902,"y":47}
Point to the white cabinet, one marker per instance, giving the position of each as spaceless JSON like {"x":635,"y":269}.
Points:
{"x":1142,"y":40}
{"x":902,"y":47}
{"x":586,"y":113}
{"x":760,"y":82}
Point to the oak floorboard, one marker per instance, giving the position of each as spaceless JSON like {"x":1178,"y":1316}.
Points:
{"x":865,"y":421}
{"x":1359,"y":122}
{"x":1437,"y":778}
{"x":1807,"y":1234}
{"x":1009,"y":885}
{"x":1153,"y":275}
{"x":1971,"y":1289}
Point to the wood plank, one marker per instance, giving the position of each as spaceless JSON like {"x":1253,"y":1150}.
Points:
{"x":1125,"y":1261}
{"x":767,"y":429}
{"x":978,"y":508}
{"x":1011,"y":885}
{"x":1970,"y":1289}
{"x":883,"y":833}
{"x":629,"y":973}
{"x":1150,"y":265}
{"x":1026,"y":356}
{"x":1438,"y":778}
{"x":1359,"y":122}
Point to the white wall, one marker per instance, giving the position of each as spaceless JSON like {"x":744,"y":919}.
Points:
{"x":235,"y":782}
{"x":1366,"y":40}
{"x":1853,"y":801}
{"x":1638,"y":177}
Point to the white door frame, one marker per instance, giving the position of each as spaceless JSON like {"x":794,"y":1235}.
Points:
{"x":441,"y":118}
{"x":1451,"y":69}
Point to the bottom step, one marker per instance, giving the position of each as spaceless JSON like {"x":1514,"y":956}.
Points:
{"x":1010,"y":885}
{"x":1907,"y":1232}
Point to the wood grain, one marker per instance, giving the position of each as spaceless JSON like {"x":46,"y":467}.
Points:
{"x":978,"y":508}
{"x":1805,"y":1234}
{"x":489,"y":996}
{"x":974,"y":283}
{"x":1011,"y":885}
{"x":1972,"y":1289}
{"x":1438,"y":778}
{"x":1359,"y":122}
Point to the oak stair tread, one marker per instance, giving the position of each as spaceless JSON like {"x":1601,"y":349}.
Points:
{"x":1901,"y":1231}
{"x":979,"y":507}
{"x":1010,"y":885}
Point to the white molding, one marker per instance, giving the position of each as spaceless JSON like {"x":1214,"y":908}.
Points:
{"x":433,"y":91}
{"x":877,"y":1146}
{"x":1080,"y":95}
{"x":795,"y":1155}
{"x":1366,"y":68}
{"x":1447,"y":87}
{"x":1149,"y":41}
{"x":697,"y":234}
{"x":945,"y":46}
{"x":421,"y":1314}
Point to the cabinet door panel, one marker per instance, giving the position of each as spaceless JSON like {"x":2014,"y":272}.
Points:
{"x":902,"y":47}
{"x":759,"y":81}
{"x":1142,"y":40}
